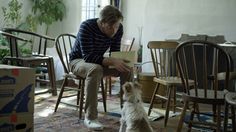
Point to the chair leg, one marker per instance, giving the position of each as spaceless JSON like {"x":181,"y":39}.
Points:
{"x":226,"y":116}
{"x":168,"y":106}
{"x":121,"y":97}
{"x":218,"y":118}
{"x":191,"y":117}
{"x":153,"y":98}
{"x":174,"y":104}
{"x":81,"y":86}
{"x":51,"y":75}
{"x":110,"y":88}
{"x":181,"y":120}
{"x":60,"y":94}
{"x":214,"y":112}
{"x":233,"y":118}
{"x":105,"y":85}
{"x":78,"y":94}
{"x":103,"y":96}
{"x":198,"y":112}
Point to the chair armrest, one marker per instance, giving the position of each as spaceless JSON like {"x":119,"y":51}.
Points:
{"x":13,"y":36}
{"x":27,"y":32}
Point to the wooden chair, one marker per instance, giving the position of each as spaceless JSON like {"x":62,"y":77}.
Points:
{"x":64,"y":43}
{"x":37,"y":56}
{"x":10,"y":37}
{"x":162,"y":53}
{"x":6,"y":39}
{"x":126,"y":45}
{"x":204,"y":67}
{"x":230,"y":100}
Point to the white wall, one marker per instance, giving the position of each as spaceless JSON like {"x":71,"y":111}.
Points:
{"x":26,"y":9}
{"x":133,"y":11}
{"x":69,"y":24}
{"x":71,"y":21}
{"x":168,"y":19}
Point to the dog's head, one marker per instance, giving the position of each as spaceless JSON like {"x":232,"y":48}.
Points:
{"x":132,"y":91}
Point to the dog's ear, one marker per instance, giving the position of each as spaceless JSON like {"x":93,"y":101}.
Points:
{"x":127,"y":87}
{"x":137,"y":85}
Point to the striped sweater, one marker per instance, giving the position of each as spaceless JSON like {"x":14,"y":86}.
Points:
{"x":91,"y":43}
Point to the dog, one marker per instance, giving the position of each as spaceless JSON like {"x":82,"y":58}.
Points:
{"x":133,"y":116}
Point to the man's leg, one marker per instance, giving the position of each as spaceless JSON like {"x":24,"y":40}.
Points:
{"x":124,"y":77}
{"x":93,"y":74}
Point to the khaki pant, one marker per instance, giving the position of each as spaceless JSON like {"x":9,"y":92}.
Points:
{"x":93,"y":74}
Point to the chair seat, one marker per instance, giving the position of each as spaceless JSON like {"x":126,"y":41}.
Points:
{"x":231,"y":98}
{"x":32,"y":60}
{"x":28,"y":58}
{"x":171,"y":81}
{"x":202,"y":99}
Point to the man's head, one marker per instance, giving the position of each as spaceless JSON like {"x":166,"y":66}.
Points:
{"x":110,"y":19}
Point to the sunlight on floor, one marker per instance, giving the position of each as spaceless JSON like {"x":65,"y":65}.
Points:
{"x":45,"y":112}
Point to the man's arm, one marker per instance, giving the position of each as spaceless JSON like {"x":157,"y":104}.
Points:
{"x":119,"y":64}
{"x":87,"y":44}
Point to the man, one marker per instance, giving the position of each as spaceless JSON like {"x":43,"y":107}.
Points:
{"x":87,"y":59}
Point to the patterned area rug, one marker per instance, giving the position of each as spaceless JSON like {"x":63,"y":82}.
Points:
{"x":66,"y":118}
{"x":205,"y":118}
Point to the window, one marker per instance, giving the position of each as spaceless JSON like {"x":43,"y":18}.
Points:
{"x":91,"y":8}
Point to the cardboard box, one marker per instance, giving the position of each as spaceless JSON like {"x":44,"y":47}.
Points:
{"x":129,"y":56}
{"x":23,"y":123}
{"x":16,"y":96}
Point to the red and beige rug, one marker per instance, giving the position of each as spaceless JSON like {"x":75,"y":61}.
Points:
{"x":67,"y":119}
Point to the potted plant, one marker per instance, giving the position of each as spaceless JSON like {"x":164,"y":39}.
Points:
{"x":13,"y":18}
{"x":42,"y":13}
{"x":48,"y":11}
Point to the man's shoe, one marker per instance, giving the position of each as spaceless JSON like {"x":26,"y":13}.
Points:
{"x":93,"y":124}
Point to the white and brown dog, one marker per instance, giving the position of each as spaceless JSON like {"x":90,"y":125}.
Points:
{"x":133,"y":117}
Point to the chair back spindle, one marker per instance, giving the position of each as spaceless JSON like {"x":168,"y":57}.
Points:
{"x":64,"y":44}
{"x":162,"y":56}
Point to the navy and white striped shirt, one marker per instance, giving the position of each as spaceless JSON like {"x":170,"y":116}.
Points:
{"x":91,"y":43}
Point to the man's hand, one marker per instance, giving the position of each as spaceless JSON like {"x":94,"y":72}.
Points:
{"x":119,"y":64}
